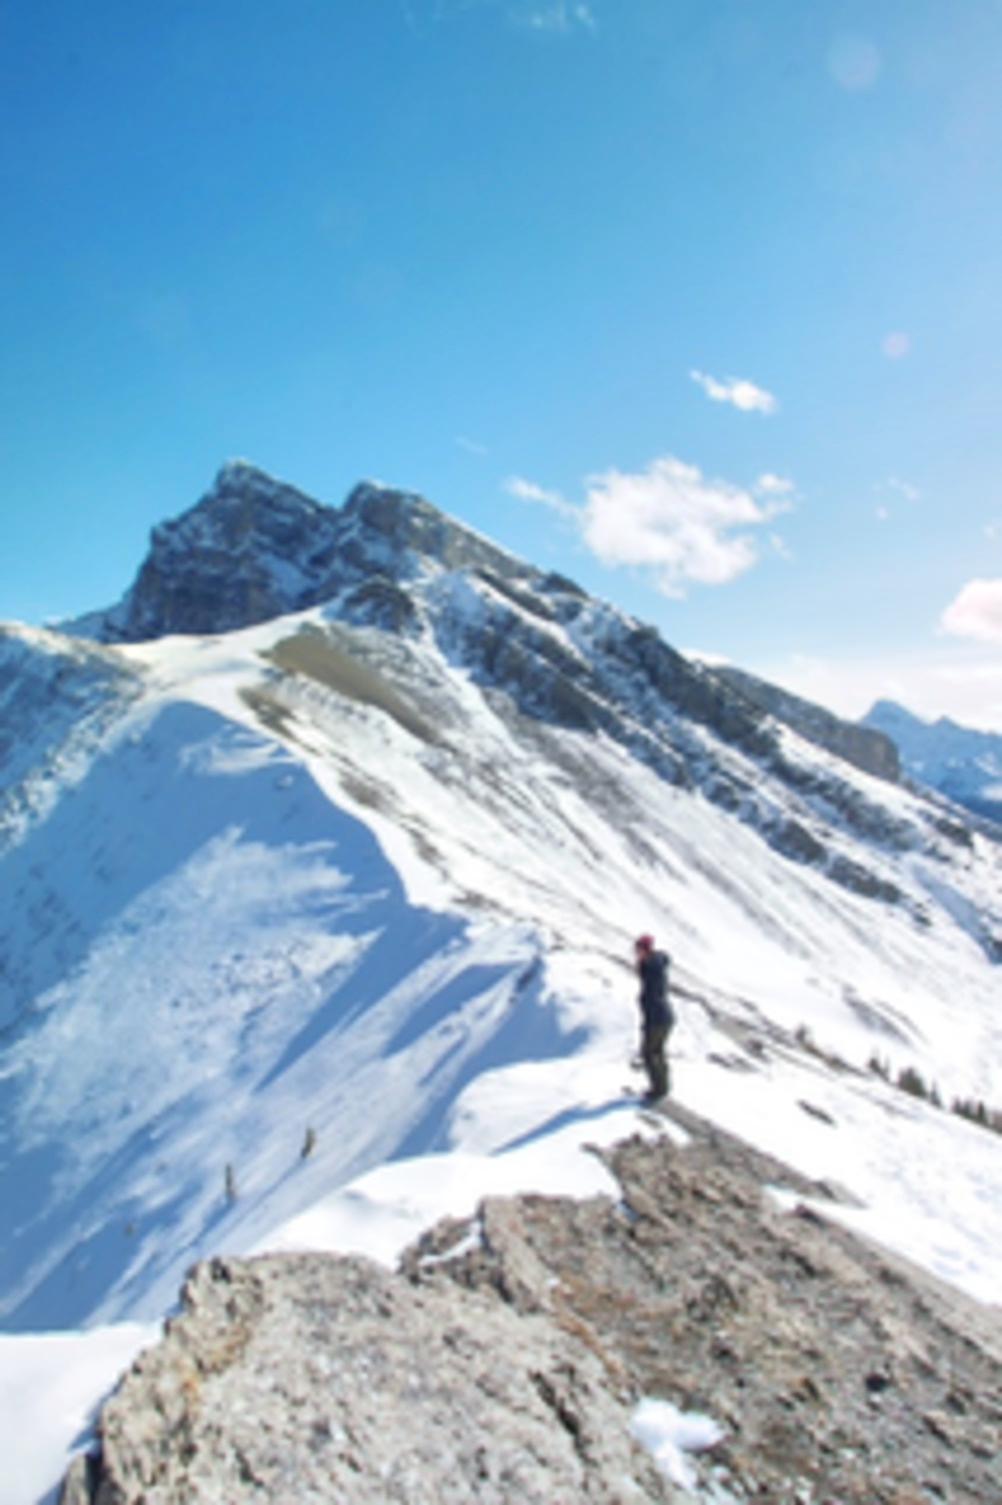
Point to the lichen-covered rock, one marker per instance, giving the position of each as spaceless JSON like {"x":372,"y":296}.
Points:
{"x":502,"y":1364}
{"x":301,"y":1379}
{"x":839,"y":1372}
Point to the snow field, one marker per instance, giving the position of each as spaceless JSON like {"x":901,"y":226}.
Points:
{"x":419,"y":952}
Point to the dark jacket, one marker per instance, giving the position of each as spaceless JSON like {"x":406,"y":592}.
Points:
{"x":654,"y":1005}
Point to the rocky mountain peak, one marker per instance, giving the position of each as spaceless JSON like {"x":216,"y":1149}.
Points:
{"x":241,"y":489}
{"x":412,"y":525}
{"x":254,"y":547}
{"x":888,"y":714}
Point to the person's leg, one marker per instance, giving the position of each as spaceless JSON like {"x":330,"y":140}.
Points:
{"x":655,"y":1036}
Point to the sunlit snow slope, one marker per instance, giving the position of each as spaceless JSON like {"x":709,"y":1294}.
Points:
{"x":284,"y":903}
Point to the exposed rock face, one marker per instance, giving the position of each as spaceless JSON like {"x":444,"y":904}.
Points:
{"x":866,"y":746}
{"x":501,"y":1364}
{"x":840,"y":1373}
{"x":254,"y":548}
{"x":309,"y":1378}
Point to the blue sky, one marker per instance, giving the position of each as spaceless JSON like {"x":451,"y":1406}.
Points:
{"x":699,"y":301}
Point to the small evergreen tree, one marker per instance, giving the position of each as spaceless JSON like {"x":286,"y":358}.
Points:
{"x":912,"y":1082}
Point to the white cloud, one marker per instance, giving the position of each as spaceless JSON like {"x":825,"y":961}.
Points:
{"x":741,"y":394}
{"x":896,"y":345}
{"x":673,"y":521}
{"x":773,"y":485}
{"x":882,"y":513}
{"x":963,"y":684}
{"x":976,"y":612}
{"x":529,"y":491}
{"x":471,"y":446}
{"x":670,"y":520}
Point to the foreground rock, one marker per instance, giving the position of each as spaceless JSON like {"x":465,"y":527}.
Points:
{"x":503,"y":1362}
{"x":309,"y":1378}
{"x":842,"y":1374}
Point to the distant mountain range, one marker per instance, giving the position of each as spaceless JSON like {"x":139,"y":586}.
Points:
{"x":963,"y":764}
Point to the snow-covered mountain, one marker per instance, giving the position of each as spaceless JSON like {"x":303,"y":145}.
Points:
{"x":324,"y":850}
{"x":962,"y":763}
{"x":865,"y":747}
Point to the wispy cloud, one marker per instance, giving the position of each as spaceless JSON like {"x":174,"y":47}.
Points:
{"x":740,"y":393}
{"x":893,"y":490}
{"x":544,"y":17}
{"x":772,"y":485}
{"x":976,"y":612}
{"x":903,"y":488}
{"x":471,"y":446}
{"x":529,"y":491}
{"x":553,"y":16}
{"x":781,"y":547}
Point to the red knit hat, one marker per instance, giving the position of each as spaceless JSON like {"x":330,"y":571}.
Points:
{"x":644,"y":943}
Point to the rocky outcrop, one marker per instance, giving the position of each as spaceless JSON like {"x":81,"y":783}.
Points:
{"x":837,"y":1371}
{"x":308,"y":1378}
{"x":503,"y":1362}
{"x":865,"y":746}
{"x":251,"y":549}
{"x":254,"y":548}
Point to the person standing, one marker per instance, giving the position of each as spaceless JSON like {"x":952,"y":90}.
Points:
{"x":655,"y":1012}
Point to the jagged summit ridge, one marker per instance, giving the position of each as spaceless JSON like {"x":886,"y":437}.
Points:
{"x":254,"y":547}
{"x":867,"y":745}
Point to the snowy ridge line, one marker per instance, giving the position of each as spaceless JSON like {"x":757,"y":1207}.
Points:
{"x":366,"y":877}
{"x":58,"y":699}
